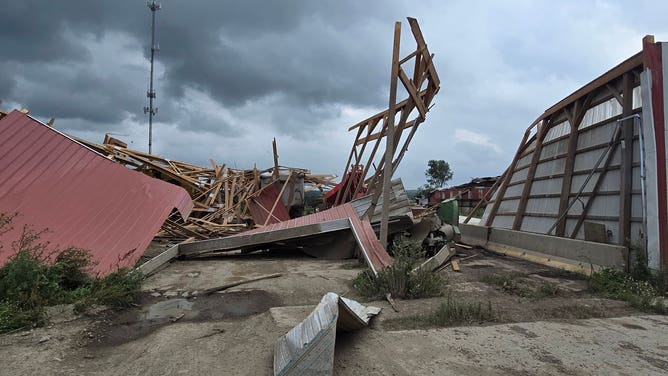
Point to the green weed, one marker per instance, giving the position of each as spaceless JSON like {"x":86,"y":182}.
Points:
{"x":399,"y":279}
{"x":29,"y":281}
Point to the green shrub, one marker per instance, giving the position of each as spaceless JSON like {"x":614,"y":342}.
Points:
{"x":29,"y":282}
{"x":398,"y":279}
{"x":615,"y":284}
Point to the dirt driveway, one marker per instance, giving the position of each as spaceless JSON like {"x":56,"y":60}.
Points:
{"x":545,"y":322}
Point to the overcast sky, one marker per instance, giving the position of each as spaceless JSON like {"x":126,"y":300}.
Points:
{"x":231,"y":75}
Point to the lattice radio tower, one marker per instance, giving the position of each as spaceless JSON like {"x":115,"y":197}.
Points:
{"x":150,"y":110}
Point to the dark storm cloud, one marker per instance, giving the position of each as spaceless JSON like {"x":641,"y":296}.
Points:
{"x":237,"y":51}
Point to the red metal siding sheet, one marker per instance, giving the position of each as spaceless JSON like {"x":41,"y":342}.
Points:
{"x":84,"y":199}
{"x":260,"y":206}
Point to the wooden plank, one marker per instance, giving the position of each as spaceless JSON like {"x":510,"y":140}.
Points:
{"x":455,"y":265}
{"x":633,"y":62}
{"x":152,"y":265}
{"x":575,"y":117}
{"x":506,"y":181}
{"x":412,"y":92}
{"x":275,"y":149}
{"x":389,"y":148}
{"x":242,"y":282}
{"x":526,"y":190}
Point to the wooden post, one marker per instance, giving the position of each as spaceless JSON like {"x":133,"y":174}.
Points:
{"x":389,"y":148}
{"x":506,"y":180}
{"x":574,"y":118}
{"x":273,"y":144}
{"x":526,"y":191}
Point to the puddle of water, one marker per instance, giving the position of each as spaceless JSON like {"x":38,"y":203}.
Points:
{"x":168,"y":309}
{"x":133,"y":324}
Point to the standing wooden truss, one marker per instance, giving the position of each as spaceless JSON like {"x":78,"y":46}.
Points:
{"x":421,"y":87}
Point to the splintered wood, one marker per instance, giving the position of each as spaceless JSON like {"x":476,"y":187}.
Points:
{"x":219,"y":193}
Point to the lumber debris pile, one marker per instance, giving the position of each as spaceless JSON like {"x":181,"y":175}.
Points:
{"x":220,"y":194}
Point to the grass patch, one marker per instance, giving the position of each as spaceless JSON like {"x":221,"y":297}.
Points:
{"x":399,"y":279}
{"x":450,"y":312}
{"x":645,"y":295}
{"x":573,"y":311}
{"x":37,"y":276}
{"x":512,"y":284}
{"x":453,"y":312}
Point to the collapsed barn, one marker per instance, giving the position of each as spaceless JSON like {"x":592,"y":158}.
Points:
{"x":592,"y":167}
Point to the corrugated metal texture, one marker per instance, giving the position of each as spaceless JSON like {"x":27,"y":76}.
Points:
{"x":508,"y":205}
{"x":503,"y":221}
{"x":548,"y":168}
{"x":596,"y":135}
{"x":84,"y":199}
{"x":399,"y":203}
{"x":373,"y":250}
{"x":586,"y":161}
{"x":546,"y":187}
{"x":308,"y":348}
{"x":557,"y":131}
{"x":554,"y":149}
{"x":601,"y":112}
{"x":519,"y":175}
{"x":610,"y":182}
{"x":514,"y":190}
{"x":537,"y":224}
{"x":524,"y":161}
{"x":543,"y":205}
{"x":262,"y":204}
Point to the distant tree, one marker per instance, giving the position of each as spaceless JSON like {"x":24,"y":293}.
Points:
{"x":438,"y":173}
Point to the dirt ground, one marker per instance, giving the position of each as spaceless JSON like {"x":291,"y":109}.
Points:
{"x":179,"y":331}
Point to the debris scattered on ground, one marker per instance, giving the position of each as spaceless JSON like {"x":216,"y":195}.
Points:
{"x":308,"y":348}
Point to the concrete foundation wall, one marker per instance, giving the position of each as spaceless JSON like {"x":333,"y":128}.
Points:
{"x":579,"y":251}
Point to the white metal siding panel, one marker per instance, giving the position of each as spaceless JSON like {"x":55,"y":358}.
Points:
{"x":503,"y":221}
{"x":610,"y":182}
{"x":586,"y":161}
{"x":520,"y":175}
{"x":600,"y":112}
{"x":509,"y":205}
{"x":514,"y":190}
{"x":553,"y":167}
{"x":543,"y":205}
{"x":549,"y":186}
{"x":596,"y":135}
{"x":554,"y":149}
{"x":558,"y":130}
{"x":537,"y":224}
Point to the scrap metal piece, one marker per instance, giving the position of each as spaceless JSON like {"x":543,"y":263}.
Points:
{"x":308,"y":348}
{"x":83,"y":199}
{"x":340,"y":218}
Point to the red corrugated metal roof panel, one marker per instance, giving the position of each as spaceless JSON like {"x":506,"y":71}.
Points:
{"x":262,"y":204}
{"x":84,"y":199}
{"x":374,"y":251}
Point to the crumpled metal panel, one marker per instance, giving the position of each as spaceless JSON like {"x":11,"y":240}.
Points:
{"x":267,"y":202}
{"x":82,"y":198}
{"x":308,"y":348}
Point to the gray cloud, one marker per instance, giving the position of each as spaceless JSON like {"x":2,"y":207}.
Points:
{"x":231,"y":75}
